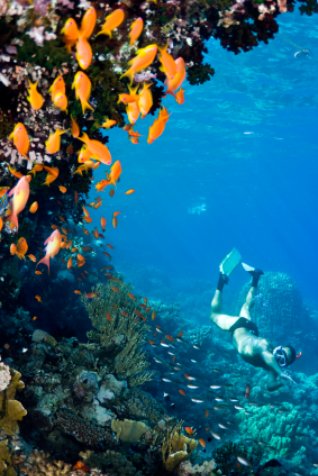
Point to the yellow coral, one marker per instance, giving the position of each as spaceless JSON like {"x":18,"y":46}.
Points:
{"x":176,"y":448}
{"x":11,"y":410}
{"x":129,"y":431}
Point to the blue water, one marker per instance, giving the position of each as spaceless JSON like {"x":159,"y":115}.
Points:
{"x":236,"y":166}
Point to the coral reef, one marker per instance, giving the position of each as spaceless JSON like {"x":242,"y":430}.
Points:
{"x":119,"y":330}
{"x":287,"y":431}
{"x":278,"y":307}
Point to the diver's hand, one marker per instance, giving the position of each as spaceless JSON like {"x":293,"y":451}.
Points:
{"x":286,"y":376}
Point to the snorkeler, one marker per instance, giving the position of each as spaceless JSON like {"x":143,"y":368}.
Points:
{"x":253,"y":349}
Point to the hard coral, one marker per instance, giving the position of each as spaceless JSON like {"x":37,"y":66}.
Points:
{"x":120,"y":330}
{"x":176,"y":447}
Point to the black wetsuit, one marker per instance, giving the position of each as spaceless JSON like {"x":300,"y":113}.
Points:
{"x":244,"y":323}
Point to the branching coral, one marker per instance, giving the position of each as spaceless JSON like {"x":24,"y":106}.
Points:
{"x":176,"y":447}
{"x":119,"y":328}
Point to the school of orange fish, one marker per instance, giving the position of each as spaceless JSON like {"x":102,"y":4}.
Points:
{"x":138,"y":101}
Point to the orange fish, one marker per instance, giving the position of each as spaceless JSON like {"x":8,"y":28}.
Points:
{"x":53,"y":173}
{"x":32,"y":257}
{"x":38,"y":298}
{"x":4,"y":190}
{"x":14,"y":172}
{"x":179,"y":96}
{"x":145,"y":101}
{"x":87,"y":216}
{"x":77,"y":291}
{"x":112,"y":21}
{"x":126,"y":98}
{"x":20,"y":248}
{"x":53,"y":245}
{"x":1,"y":223}
{"x":108,"y":317}
{"x":58,"y":95}
{"x":202,"y":442}
{"x":168,"y":64}
{"x":189,"y":430}
{"x":34,"y":97}
{"x":60,"y":101}
{"x":69,"y":263}
{"x":38,"y":272}
{"x":75,"y":130}
{"x":90,"y":295}
{"x":80,"y":260}
{"x":130,"y":191}
{"x":97,"y":150}
{"x":58,"y":86}
{"x":20,"y":138}
{"x":175,"y":82}
{"x":83,"y":87}
{"x":103,"y":223}
{"x":115,"y":172}
{"x":71,"y":33}
{"x":53,"y":143}
{"x":182,"y":392}
{"x":34,"y":207}
{"x":144,"y":58}
{"x":84,"y":54}
{"x":62,"y":189}
{"x":108,"y":123}
{"x":135,"y":30}
{"x":20,"y":195}
{"x":158,"y":126}
{"x":88,"y":23}
{"x":132,"y":111}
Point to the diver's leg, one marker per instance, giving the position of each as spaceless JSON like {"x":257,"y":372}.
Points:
{"x":223,"y":321}
{"x":245,"y":309}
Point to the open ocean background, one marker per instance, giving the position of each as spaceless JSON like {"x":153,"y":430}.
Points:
{"x":236,"y":166}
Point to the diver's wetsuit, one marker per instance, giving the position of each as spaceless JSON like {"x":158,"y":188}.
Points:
{"x":244,"y":323}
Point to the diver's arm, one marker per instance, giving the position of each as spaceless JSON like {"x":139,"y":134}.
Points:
{"x":271,"y":363}
{"x":277,"y":374}
{"x":275,"y":370}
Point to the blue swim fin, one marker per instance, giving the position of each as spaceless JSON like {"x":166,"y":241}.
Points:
{"x":230,"y":262}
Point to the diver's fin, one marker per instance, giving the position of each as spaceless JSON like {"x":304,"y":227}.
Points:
{"x":254,"y":272}
{"x":229,"y":263}
{"x":248,"y":268}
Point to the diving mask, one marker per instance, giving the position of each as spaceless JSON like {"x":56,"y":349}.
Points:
{"x":281,"y":356}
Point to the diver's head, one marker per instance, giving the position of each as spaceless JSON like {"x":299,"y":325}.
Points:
{"x":284,"y":355}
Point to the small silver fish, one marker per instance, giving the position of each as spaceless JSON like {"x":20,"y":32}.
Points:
{"x":164,"y":344}
{"x":243,"y":461}
{"x":192,"y":387}
{"x":167,"y":380}
{"x":195,"y":400}
{"x":215,"y":435}
{"x":223,"y":427}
